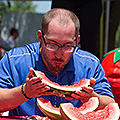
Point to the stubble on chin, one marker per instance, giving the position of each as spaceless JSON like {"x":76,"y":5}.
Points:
{"x":55,"y":68}
{"x":49,"y":64}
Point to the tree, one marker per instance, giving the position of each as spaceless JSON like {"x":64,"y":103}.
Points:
{"x":114,"y":23}
{"x":113,"y":37}
{"x":23,"y":6}
{"x":3,"y":8}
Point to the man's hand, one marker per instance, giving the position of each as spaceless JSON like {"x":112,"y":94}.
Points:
{"x":85,"y":93}
{"x":34,"y":87}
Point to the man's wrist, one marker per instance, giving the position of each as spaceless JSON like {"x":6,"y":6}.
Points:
{"x":22,"y":90}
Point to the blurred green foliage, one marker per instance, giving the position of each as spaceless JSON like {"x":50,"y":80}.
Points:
{"x":3,"y":8}
{"x":23,"y":6}
{"x":16,"y":6}
{"x":117,"y":37}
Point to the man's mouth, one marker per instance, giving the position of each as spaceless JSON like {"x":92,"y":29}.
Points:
{"x":57,"y":63}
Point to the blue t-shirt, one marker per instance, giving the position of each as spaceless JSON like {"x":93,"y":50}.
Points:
{"x":16,"y":63}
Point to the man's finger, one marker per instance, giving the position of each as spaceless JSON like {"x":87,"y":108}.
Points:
{"x":30,"y":74}
{"x":92,"y":82}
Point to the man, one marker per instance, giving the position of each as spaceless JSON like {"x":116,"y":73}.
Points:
{"x":3,"y":46}
{"x":13,"y":35}
{"x":57,"y":56}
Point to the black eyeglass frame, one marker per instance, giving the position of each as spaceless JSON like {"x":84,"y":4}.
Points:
{"x":59,"y":46}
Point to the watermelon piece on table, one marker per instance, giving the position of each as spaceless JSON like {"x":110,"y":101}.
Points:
{"x":110,"y":112}
{"x":48,"y":109}
{"x":54,"y":113}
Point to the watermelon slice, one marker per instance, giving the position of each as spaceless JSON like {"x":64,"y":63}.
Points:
{"x":64,"y":89}
{"x":110,"y":112}
{"x":53,"y":112}
{"x":48,"y":109}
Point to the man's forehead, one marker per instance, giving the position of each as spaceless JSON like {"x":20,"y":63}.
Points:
{"x":63,"y":21}
{"x":55,"y":24}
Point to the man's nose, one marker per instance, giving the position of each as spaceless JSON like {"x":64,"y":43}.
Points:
{"x":59,"y":53}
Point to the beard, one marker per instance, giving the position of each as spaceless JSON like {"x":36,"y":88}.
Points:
{"x":49,"y":63}
{"x":55,"y":68}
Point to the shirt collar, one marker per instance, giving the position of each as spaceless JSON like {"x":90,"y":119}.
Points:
{"x":71,"y":63}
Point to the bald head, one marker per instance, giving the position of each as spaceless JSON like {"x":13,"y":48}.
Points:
{"x":64,"y":18}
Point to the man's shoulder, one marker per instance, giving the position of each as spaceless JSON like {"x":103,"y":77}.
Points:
{"x":84,"y":55}
{"x":25,"y":50}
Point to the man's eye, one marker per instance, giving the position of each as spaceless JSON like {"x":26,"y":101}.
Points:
{"x":51,"y":45}
{"x":67,"y":47}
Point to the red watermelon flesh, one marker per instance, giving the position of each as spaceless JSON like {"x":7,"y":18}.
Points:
{"x":88,"y":106}
{"x":66,"y":89}
{"x":110,"y":112}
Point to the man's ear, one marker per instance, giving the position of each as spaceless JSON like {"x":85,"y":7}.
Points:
{"x":39,"y":35}
{"x":78,"y":38}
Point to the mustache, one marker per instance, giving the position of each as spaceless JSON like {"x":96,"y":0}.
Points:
{"x":59,"y":60}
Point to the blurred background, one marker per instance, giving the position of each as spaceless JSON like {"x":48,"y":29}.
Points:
{"x":26,"y":15}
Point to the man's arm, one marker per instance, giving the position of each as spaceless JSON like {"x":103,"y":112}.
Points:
{"x":103,"y":100}
{"x":13,"y":97}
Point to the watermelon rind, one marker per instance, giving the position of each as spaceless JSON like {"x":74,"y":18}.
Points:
{"x":51,"y":113}
{"x":55,"y":87}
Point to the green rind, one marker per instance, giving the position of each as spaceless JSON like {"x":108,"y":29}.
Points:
{"x":52,"y":114}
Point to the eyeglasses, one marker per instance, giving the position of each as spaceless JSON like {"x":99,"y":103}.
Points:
{"x":55,"y":47}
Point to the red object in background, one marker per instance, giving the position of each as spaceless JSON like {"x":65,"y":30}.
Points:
{"x":111,"y":65}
